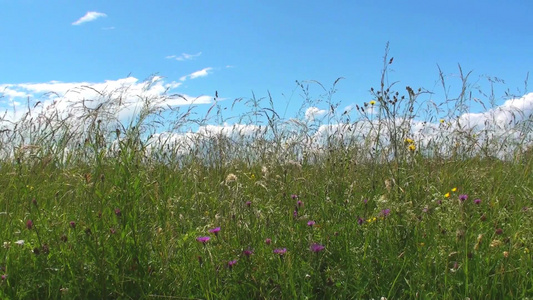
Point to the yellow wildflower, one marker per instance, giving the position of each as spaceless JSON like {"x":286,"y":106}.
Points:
{"x":447,"y":195}
{"x":454,"y":189}
{"x":412,"y":147}
{"x":372,"y":102}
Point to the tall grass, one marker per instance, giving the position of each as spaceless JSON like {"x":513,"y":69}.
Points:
{"x":407,"y":199}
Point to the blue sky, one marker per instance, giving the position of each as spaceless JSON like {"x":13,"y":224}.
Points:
{"x":236,"y":47}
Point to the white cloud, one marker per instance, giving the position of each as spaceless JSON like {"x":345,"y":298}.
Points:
{"x":201,"y":73}
{"x":313,"y":112}
{"x":89,"y":16}
{"x":122,"y":97}
{"x":184,"y":56}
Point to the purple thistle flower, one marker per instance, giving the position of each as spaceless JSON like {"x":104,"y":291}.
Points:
{"x":477,"y":201}
{"x":385,"y":212}
{"x":4,"y":276}
{"x":118,"y":212}
{"x":248,"y":252}
{"x":280,"y":251}
{"x":248,"y":203}
{"x":365,"y":201}
{"x":294,"y":196}
{"x":268,"y":241}
{"x":311,"y":223}
{"x":72,"y":224}
{"x":360,"y":221}
{"x":231,"y":263}
{"x":29,"y":224}
{"x":316,"y":247}
{"x":203,"y":239}
{"x":463,"y":197}
{"x":215,"y":230}
{"x":299,"y":203}
{"x":295,"y":213}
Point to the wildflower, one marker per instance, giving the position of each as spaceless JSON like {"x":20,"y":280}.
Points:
{"x":496,"y":243}
{"x":441,"y":121}
{"x":118,"y":213}
{"x":409,"y":141}
{"x":268,"y":241}
{"x":203,"y":239}
{"x":316,"y":247}
{"x":385,"y":212}
{"x":360,"y":221}
{"x":112,"y":230}
{"x":412,"y":147}
{"x":372,"y":102}
{"x":294,"y":196}
{"x":4,"y":276}
{"x":231,"y":263}
{"x":280,"y":251}
{"x":311,"y":223}
{"x":447,"y":195}
{"x":248,"y":252}
{"x":72,"y":224}
{"x":505,"y":254}
{"x":231,"y":178}
{"x":365,"y":201}
{"x":299,"y":203}
{"x":463,"y":197}
{"x":454,"y":189}
{"x":215,"y":230}
{"x":248,"y":203}
{"x":20,"y":242}
{"x":295,"y":213}
{"x":499,"y":231}
{"x":477,"y":201}
{"x":29,"y":224}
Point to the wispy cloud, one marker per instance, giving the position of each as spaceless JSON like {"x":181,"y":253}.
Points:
{"x":184,"y":56}
{"x":201,"y":73}
{"x":89,"y":16}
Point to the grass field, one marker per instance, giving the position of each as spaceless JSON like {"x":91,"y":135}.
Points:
{"x":378,"y":205}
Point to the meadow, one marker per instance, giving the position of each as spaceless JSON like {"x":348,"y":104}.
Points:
{"x":398,"y":199}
